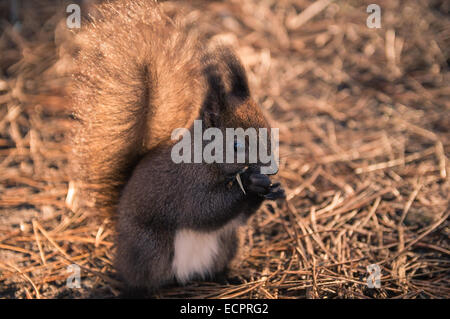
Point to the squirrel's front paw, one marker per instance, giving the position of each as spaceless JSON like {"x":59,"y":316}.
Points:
{"x":261,"y":185}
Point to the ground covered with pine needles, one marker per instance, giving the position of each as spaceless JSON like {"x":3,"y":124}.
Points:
{"x":364,"y":119}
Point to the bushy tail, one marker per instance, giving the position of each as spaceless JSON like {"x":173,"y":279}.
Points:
{"x":136,"y":78}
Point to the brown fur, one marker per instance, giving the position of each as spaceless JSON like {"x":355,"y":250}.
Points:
{"x":138,"y":77}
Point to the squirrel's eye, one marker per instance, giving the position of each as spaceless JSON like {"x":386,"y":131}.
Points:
{"x":238,"y":146}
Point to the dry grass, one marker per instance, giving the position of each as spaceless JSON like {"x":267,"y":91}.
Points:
{"x":364,"y":118}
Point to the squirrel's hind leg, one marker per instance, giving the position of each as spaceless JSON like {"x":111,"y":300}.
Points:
{"x":143,"y":260}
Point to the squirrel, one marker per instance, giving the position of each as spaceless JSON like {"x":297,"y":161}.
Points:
{"x":137,"y":76}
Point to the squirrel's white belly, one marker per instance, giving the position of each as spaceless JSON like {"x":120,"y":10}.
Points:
{"x":196,"y":251}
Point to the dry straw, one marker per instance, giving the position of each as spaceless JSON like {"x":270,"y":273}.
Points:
{"x":364,"y":117}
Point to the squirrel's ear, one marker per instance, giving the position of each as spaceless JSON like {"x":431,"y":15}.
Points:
{"x":234,"y":73}
{"x":225,"y":77}
{"x":234,"y":77}
{"x":216,"y":96}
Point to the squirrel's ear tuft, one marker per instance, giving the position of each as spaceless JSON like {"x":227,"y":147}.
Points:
{"x":225,"y":75}
{"x":225,"y":78}
{"x":234,"y":73}
{"x":216,"y":97}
